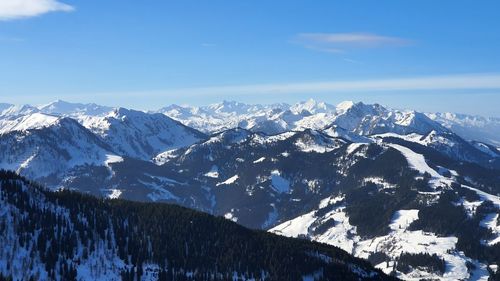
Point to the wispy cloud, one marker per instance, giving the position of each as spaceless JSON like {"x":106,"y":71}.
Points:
{"x":16,"y":9}
{"x":6,"y":39}
{"x":352,"y":61}
{"x":208,"y":45}
{"x":325,"y":49}
{"x":442,"y":82}
{"x":342,"y":42}
{"x":466,"y":82}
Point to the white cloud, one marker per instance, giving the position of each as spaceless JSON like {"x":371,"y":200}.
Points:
{"x":340,"y":42}
{"x":15,"y":9}
{"x":443,"y":82}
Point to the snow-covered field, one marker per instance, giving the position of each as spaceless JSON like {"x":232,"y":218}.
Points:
{"x":400,"y":239}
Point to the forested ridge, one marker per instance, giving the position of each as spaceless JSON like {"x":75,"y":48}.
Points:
{"x":69,"y":236}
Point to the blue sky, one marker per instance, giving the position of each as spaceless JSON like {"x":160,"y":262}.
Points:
{"x":426,"y":55}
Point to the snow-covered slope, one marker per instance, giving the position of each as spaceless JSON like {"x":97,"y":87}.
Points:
{"x":128,"y":132}
{"x":27,"y":122}
{"x":330,"y":222}
{"x":451,"y":145}
{"x":138,"y":134}
{"x":43,"y":146}
{"x":4,"y":107}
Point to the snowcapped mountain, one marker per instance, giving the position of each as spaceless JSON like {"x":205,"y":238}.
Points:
{"x":10,"y":110}
{"x":129,"y":133}
{"x":376,"y":182}
{"x":26,"y":122}
{"x":220,"y":116}
{"x":471,"y":127}
{"x":47,"y":147}
{"x":138,"y":134}
{"x":355,"y":118}
{"x":270,"y":119}
{"x":4,"y":106}
{"x":364,"y":119}
{"x":358,"y":118}
{"x":313,"y":107}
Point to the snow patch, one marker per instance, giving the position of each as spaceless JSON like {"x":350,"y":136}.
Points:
{"x":114,"y":193}
{"x":280,"y":184}
{"x":403,"y":218}
{"x":352,"y":147}
{"x":113,"y":159}
{"x":230,"y":180}
{"x":261,"y":159}
{"x":230,"y":216}
{"x":379,"y":182}
{"x":213,"y":173}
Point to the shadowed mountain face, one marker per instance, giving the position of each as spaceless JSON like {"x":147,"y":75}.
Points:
{"x":376,"y":182}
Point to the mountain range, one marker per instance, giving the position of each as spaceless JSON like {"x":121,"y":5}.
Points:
{"x":275,"y":118}
{"x":417,"y":194}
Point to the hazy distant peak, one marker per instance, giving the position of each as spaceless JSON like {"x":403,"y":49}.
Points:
{"x":65,"y":108}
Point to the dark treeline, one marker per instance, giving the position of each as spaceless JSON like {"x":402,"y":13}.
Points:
{"x":433,"y":263}
{"x":65,"y":228}
{"x":371,"y":209}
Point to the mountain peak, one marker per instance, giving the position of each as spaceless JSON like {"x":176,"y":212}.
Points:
{"x":28,"y":122}
{"x":226,"y":106}
{"x":4,"y":106}
{"x":344,"y":106}
{"x":59,"y":101}
{"x":120,"y":111}
{"x":311,"y":106}
{"x":17,"y":110}
{"x":234,"y":135}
